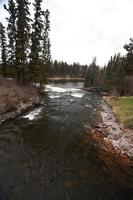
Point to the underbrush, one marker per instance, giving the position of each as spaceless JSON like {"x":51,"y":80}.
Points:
{"x":12,"y":96}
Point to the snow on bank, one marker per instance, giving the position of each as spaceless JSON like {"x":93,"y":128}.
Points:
{"x":34,"y":114}
{"x":121,"y":139}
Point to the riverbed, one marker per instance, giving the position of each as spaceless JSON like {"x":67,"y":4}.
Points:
{"x":45,"y":154}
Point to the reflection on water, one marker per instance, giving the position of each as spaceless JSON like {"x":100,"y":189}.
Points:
{"x":46,"y":154}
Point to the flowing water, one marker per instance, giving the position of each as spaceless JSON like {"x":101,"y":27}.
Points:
{"x":46,"y":154}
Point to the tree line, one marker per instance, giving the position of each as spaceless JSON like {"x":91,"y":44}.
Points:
{"x":25,"y":53}
{"x":64,"y":69}
{"x":25,"y":42}
{"x":116,"y":77}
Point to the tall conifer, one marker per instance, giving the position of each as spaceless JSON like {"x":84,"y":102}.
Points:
{"x":11,"y":31}
{"x":3,"y":45}
{"x":22,"y":38}
{"x":36,"y":37}
{"x":46,"y":53}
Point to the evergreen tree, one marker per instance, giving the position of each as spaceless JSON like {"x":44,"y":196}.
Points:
{"x":92,"y":75}
{"x":36,"y":37}
{"x":36,"y":71}
{"x":40,"y":44}
{"x":22,"y":38}
{"x":46,"y":53}
{"x":111,"y":77}
{"x":129,"y":57}
{"x":11,"y":31}
{"x":74,"y":70}
{"x":3,"y":45}
{"x":26,"y":47}
{"x":45,"y":47}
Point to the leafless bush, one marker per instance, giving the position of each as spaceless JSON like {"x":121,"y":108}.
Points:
{"x":12,"y":95}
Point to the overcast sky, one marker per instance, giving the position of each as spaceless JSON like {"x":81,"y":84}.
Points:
{"x":82,"y":29}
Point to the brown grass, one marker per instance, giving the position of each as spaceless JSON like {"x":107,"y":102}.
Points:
{"x":12,"y":95}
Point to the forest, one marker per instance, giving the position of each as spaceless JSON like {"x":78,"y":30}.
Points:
{"x":26,"y":53}
{"x":116,"y":77}
{"x":25,"y":42}
{"x":64,"y":69}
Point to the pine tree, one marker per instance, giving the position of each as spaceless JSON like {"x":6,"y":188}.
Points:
{"x":11,"y":31}
{"x":40,"y":47}
{"x":129,"y":57}
{"x":22,"y":38}
{"x":46,"y":53}
{"x":36,"y":37}
{"x":91,"y":79}
{"x":114,"y":74}
{"x":109,"y":75}
{"x":3,"y":45}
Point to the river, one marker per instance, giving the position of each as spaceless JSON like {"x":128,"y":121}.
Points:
{"x":45,"y":153}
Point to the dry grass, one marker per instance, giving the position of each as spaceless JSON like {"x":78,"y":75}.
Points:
{"x":12,"y":96}
{"x":123,"y":107}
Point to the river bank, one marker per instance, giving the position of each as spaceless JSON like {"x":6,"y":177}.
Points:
{"x":50,"y":156}
{"x":111,"y":134}
{"x":15,"y":99}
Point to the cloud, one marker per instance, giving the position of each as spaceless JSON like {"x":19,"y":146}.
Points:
{"x":1,"y":1}
{"x":3,"y":12}
{"x":83,"y":29}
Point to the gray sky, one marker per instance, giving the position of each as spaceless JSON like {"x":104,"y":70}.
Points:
{"x":83,"y":29}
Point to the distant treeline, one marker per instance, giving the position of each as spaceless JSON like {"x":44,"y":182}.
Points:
{"x":25,"y":53}
{"x":25,"y":42}
{"x":116,"y":77}
{"x":63,"y":69}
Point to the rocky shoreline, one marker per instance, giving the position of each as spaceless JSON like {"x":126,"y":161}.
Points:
{"x":111,"y":135}
{"x":16,"y":98}
{"x":23,"y":107}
